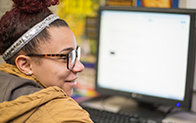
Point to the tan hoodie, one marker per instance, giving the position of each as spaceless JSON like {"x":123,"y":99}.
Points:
{"x":48,"y":105}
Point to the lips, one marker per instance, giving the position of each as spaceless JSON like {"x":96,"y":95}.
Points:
{"x":73,"y":82}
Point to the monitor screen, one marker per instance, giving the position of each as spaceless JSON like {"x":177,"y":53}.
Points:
{"x":147,"y":54}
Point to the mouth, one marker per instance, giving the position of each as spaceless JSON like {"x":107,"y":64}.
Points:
{"x":71,"y":81}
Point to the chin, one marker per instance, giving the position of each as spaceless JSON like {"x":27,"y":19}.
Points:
{"x":70,"y":93}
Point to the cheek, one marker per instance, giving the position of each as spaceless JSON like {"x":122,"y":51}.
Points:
{"x":59,"y":75}
{"x":51,"y":75}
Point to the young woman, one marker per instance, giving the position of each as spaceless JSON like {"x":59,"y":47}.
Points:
{"x":42,"y":63}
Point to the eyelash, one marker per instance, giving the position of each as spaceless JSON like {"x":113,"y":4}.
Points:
{"x":64,"y":58}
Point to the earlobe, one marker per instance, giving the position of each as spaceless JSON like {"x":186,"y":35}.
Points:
{"x":23,"y":63}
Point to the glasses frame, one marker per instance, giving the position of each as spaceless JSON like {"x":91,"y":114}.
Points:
{"x":78,"y":50}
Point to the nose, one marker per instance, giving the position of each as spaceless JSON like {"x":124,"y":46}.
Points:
{"x":79,"y":67}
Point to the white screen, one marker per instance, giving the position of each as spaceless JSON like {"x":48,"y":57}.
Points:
{"x":144,"y":53}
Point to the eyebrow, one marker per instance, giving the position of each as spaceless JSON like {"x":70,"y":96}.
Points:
{"x":67,"y":49}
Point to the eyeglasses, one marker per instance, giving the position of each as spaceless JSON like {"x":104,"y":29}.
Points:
{"x":70,"y":57}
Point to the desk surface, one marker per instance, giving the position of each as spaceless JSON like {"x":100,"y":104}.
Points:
{"x":180,"y":117}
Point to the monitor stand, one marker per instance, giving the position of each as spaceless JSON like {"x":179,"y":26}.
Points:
{"x":146,"y":111}
{"x":124,"y":105}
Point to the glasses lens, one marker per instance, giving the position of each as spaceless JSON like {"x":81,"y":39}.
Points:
{"x":78,"y":53}
{"x":72,"y":59}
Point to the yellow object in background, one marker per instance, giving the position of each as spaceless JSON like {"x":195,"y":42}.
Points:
{"x":120,"y":2}
{"x":76,"y":13}
{"x":157,"y":3}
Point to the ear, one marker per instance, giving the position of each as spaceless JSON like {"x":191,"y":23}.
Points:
{"x":24,"y":64}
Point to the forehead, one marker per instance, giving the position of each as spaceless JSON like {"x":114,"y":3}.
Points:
{"x":60,"y":38}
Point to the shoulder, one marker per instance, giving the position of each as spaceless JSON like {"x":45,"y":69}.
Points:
{"x":67,"y":110}
{"x":63,"y":108}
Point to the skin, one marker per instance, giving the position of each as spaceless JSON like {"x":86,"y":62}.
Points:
{"x":53,"y":71}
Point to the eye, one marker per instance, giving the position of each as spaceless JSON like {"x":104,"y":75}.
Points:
{"x":64,"y":58}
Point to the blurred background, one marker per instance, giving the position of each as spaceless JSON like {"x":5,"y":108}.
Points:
{"x":81,"y":15}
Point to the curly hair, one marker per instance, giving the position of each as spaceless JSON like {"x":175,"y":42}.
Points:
{"x":23,"y":16}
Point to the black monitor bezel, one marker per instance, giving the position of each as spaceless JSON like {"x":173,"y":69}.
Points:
{"x":186,"y":103}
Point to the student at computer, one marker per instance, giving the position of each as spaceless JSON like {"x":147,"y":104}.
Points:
{"x":42,"y":62}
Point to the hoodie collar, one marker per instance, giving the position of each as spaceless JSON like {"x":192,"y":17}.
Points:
{"x":12,"y":69}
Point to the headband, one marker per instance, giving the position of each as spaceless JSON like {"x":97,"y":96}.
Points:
{"x":28,"y":36}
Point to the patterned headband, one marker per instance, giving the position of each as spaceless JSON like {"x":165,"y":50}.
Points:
{"x":28,"y":36}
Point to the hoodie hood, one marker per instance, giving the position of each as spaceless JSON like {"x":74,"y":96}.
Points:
{"x":13,"y":70}
{"x":12,"y":87}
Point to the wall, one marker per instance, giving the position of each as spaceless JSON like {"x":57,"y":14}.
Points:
{"x":4,"y":6}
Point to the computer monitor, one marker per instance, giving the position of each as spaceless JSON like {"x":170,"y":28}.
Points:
{"x":147,"y":54}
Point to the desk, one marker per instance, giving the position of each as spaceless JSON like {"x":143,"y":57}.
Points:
{"x":180,"y":117}
{"x":115,"y":104}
